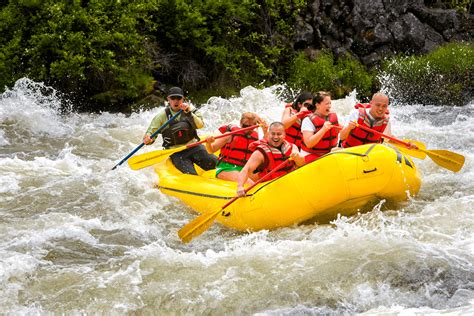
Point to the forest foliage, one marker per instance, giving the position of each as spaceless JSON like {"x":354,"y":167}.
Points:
{"x":444,"y":76}
{"x":107,"y":54}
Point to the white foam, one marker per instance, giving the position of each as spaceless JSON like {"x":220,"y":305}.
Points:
{"x":63,"y":190}
{"x":33,"y":107}
{"x":3,"y":140}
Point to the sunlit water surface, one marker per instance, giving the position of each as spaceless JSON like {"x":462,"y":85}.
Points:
{"x":76,"y":237}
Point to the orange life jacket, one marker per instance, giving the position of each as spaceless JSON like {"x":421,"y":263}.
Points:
{"x":329,"y":139}
{"x":237,"y":151}
{"x":358,"y":136}
{"x":273,"y":157}
{"x":293,"y":133}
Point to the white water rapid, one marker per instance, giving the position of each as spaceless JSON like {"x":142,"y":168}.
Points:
{"x":79,"y":238}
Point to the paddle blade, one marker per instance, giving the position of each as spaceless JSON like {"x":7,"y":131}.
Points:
{"x":197,"y":226}
{"x":447,"y":159}
{"x":416,"y":153}
{"x":151,"y":158}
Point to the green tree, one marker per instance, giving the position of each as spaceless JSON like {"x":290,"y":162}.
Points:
{"x":442,"y":77}
{"x":106,"y":53}
{"x":83,"y":48}
{"x":325,"y":73}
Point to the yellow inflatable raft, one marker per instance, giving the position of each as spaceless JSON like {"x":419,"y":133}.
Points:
{"x":338,"y":183}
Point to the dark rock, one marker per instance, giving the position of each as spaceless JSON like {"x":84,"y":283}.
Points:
{"x":349,"y":31}
{"x":371,"y":59}
{"x":303,"y":34}
{"x":396,"y":28}
{"x":438,"y":19}
{"x":384,"y":51}
{"x":340,"y":51}
{"x":314,"y":7}
{"x":375,"y":29}
{"x":448,"y":34}
{"x":327,"y":3}
{"x":367,"y":12}
{"x":433,"y":39}
{"x":331,"y":43}
{"x":415,"y":31}
{"x":382,"y":34}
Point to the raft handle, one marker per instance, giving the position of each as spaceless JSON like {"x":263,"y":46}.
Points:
{"x":369,"y":171}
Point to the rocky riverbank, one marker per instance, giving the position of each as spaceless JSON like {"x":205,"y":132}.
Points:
{"x":373,"y":30}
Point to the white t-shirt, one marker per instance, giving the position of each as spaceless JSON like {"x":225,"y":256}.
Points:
{"x":354,"y":116}
{"x":306,"y":125}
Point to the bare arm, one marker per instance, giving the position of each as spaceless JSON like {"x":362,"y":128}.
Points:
{"x":255,"y":160}
{"x":263,"y":125}
{"x":311,"y":139}
{"x":296,"y":156}
{"x":287,"y":119}
{"x":213,"y":145}
{"x":347,"y":130}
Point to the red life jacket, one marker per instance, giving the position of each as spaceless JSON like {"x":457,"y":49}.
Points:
{"x":237,"y":151}
{"x":273,"y":157}
{"x":358,"y":136}
{"x":293,"y":133}
{"x":329,"y":139}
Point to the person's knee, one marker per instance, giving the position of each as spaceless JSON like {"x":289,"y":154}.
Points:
{"x":206,"y":161}
{"x":188,"y":169}
{"x":228,"y":175}
{"x":183,"y":165}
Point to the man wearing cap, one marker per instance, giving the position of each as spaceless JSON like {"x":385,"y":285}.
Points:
{"x":181,"y":131}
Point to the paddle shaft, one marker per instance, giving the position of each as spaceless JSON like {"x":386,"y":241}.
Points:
{"x":265,"y":177}
{"x":201,"y":223}
{"x":153,"y":157}
{"x":388,"y":137}
{"x":152,"y":136}
{"x":220,"y":136}
{"x":257,"y":182}
{"x":444,"y":158}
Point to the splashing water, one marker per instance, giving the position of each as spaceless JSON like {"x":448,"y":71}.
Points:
{"x":77,"y":237}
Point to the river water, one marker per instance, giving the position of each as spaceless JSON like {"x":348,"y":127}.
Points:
{"x":76,"y":237}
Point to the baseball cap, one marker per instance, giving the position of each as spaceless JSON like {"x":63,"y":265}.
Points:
{"x":175,"y":92}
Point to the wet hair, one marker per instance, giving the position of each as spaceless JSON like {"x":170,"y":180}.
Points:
{"x":249,"y":118}
{"x":319,"y":97}
{"x":300,"y":99}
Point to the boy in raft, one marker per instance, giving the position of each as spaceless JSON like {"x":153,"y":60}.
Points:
{"x":268,"y":154}
{"x":319,"y":132}
{"x":234,"y":148}
{"x":293,"y":114}
{"x":374,"y":115}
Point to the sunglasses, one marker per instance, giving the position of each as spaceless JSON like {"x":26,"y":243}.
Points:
{"x":245,"y":125}
{"x":306,"y":104}
{"x":176,"y":98}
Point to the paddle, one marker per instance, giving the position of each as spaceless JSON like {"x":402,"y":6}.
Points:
{"x":415,"y":151}
{"x":152,"y":136}
{"x":201,"y":223}
{"x":444,"y":158}
{"x":154,"y":157}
